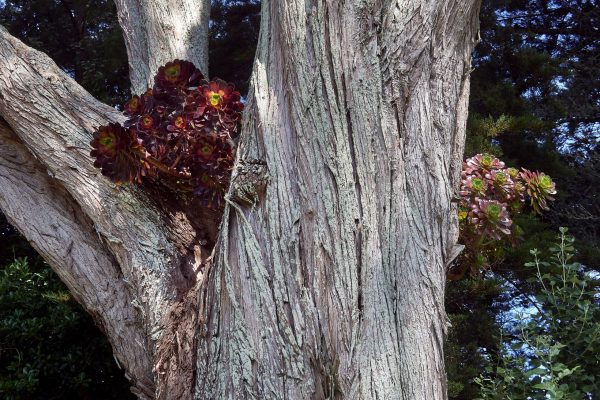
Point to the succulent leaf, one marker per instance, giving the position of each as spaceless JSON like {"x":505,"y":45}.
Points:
{"x":177,"y":74}
{"x":539,"y":188}
{"x":489,"y":195}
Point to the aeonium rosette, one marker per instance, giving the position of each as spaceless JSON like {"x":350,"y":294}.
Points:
{"x":539,"y":188}
{"x":490,"y":218}
{"x":180,"y":132}
{"x":489,"y":195}
{"x":119,"y":154}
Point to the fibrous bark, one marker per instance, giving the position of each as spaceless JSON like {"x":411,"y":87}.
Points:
{"x":54,"y":117}
{"x":332,"y":284}
{"x":157,"y":32}
{"x":327,"y":278}
{"x":153,"y":245}
{"x":57,"y":228}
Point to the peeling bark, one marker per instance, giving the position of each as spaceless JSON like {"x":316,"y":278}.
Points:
{"x":327,"y":277}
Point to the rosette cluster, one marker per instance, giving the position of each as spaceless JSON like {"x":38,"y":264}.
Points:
{"x":180,"y":133}
{"x":540,"y":189}
{"x":490,"y":193}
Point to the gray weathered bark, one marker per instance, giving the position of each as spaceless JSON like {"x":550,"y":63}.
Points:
{"x":327,"y":278}
{"x":157,"y":32}
{"x":332,"y":284}
{"x":156,"y":254}
{"x":54,"y":118}
{"x":58,"y":229}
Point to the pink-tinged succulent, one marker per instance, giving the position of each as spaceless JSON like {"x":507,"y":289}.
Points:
{"x":490,"y":194}
{"x":490,"y":217}
{"x":504,"y":186}
{"x":119,"y":154}
{"x":518,"y":192}
{"x":473,"y":185}
{"x":485,"y":162}
{"x":539,"y":188}
{"x":512,"y":172}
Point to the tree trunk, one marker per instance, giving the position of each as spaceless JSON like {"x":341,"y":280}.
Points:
{"x":327,"y":277}
{"x":331,"y":285}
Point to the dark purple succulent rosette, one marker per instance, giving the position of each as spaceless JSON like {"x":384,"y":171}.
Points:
{"x":134,"y":106}
{"x":180,"y":132}
{"x":222,"y":104}
{"x":119,"y":154}
{"x":177,"y":74}
{"x":213,"y":152}
{"x":138,"y":106}
{"x":177,"y":124}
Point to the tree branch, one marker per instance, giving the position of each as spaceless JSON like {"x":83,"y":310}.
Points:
{"x":130,"y":258}
{"x":54,"y":117}
{"x":157,"y":32}
{"x":56,"y":227}
{"x":152,"y":242}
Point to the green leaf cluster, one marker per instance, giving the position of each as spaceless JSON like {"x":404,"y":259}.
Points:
{"x":553,"y":351}
{"x":49,"y":347}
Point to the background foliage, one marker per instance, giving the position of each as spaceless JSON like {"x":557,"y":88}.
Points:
{"x":553,"y":351}
{"x":50,"y":348}
{"x":82,"y":36}
{"x":534,"y":103}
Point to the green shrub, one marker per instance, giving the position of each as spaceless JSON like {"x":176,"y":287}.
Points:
{"x":552,"y":352}
{"x":49,"y":347}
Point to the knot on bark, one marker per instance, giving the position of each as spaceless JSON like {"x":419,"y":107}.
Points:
{"x":249,"y":181}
